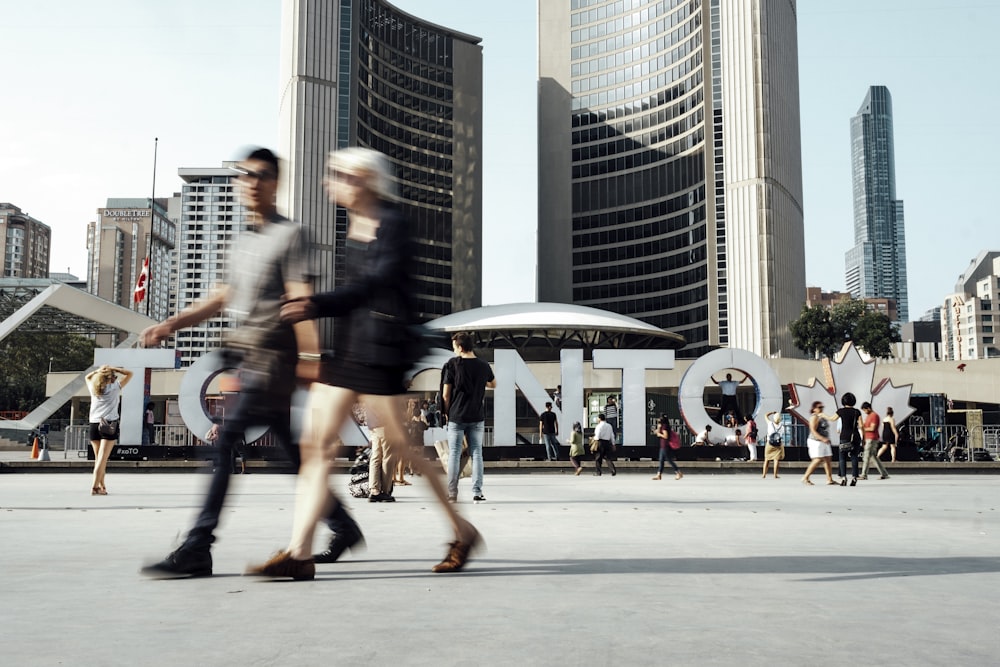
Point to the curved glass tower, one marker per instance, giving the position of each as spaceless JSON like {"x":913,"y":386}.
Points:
{"x":363,"y":73}
{"x":669,"y":175}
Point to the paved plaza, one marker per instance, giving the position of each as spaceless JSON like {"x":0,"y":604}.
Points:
{"x":709,"y":570}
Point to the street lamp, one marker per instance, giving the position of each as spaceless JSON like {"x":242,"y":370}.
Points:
{"x":50,"y":363}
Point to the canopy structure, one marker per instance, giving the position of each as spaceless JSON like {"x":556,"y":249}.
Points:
{"x":51,"y":306}
{"x":539,"y":330}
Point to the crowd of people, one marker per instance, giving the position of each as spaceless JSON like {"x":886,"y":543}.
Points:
{"x":276,"y":348}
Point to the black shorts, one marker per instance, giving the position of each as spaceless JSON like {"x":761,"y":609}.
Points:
{"x":95,"y":434}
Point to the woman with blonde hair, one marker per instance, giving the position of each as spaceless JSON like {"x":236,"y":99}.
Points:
{"x":105,"y":394}
{"x":374,"y":307}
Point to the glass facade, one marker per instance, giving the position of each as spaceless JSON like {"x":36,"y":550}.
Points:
{"x":876,"y":265}
{"x":639,"y":209}
{"x":405,"y":108}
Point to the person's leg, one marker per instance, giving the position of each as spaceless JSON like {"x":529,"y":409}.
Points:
{"x":326,"y":412}
{"x":375,"y":460}
{"x":854,"y":462}
{"x":102,"y":452}
{"x":828,"y":468}
{"x":866,"y":455}
{"x":842,"y":459}
{"x":609,"y":455}
{"x":673,"y":462}
{"x":389,"y":408}
{"x":388,"y":464}
{"x":881,"y":450}
{"x":456,"y":433}
{"x":813,"y":464}
{"x":598,"y":458}
{"x":878,"y":462}
{"x":474,"y":433}
{"x":662,"y":461}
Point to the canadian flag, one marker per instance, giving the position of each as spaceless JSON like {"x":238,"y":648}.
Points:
{"x":140,"y":285}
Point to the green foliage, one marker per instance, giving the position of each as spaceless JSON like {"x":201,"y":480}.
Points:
{"x":824,"y":331}
{"x":24,"y":359}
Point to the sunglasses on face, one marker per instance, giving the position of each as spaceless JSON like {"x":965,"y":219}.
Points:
{"x":250,"y":175}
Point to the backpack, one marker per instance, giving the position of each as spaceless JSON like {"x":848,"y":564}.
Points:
{"x":358,"y":486}
{"x":774,"y":439}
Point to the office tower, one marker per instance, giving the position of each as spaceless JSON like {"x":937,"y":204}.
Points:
{"x":126,"y":232}
{"x":969,"y":319}
{"x":363,"y":73}
{"x":210,"y":220}
{"x":670,"y":185}
{"x":26,"y":243}
{"x":876,"y":265}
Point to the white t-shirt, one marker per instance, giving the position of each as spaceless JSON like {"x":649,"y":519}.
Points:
{"x":604,"y":431}
{"x":106,"y":405}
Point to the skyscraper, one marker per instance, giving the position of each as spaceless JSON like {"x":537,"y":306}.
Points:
{"x":24,"y":244}
{"x":670,"y":179}
{"x":363,"y":73}
{"x":127,"y":231}
{"x":211,"y":218}
{"x":876,"y":265}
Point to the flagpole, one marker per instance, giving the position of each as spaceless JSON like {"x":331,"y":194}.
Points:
{"x":152,"y":222}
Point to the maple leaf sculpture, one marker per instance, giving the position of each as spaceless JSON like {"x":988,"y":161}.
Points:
{"x":848,"y":372}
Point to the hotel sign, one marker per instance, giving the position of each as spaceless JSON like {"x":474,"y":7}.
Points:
{"x":126,"y":213}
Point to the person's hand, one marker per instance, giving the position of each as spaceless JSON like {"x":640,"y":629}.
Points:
{"x":307,"y":371}
{"x":297,"y":310}
{"x":152,"y":336}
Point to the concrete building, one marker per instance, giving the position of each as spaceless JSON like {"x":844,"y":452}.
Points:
{"x":670,"y":178}
{"x":363,"y":73}
{"x":210,"y":219}
{"x":876,"y":265}
{"x":126,"y":231}
{"x":26,"y":243}
{"x":969,"y":316}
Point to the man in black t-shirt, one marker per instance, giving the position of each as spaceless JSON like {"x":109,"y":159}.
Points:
{"x":548,"y":428}
{"x":464,"y":380}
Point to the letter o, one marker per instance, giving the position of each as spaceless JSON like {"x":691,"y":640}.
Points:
{"x":194,"y":387}
{"x":691,"y":393}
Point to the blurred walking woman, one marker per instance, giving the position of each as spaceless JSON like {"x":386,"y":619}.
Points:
{"x":105,"y":394}
{"x":820,"y":450}
{"x":373,"y":308}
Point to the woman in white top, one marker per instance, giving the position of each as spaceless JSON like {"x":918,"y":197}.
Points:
{"x":105,"y":393}
{"x":774,"y":447}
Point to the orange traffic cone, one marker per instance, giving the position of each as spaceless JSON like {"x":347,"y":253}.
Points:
{"x":34,"y":449}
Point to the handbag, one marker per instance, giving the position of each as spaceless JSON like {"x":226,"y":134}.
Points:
{"x":674,"y":440}
{"x":774,"y":439}
{"x":107,"y":428}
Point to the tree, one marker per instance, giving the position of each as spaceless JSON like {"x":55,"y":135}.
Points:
{"x":25,"y":358}
{"x":820,"y":330}
{"x":813,"y":332}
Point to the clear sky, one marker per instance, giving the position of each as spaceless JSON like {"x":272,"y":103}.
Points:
{"x":88,"y":85}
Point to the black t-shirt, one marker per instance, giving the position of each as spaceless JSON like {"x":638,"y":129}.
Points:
{"x":848,"y":424}
{"x":548,"y":420}
{"x":468,"y":378}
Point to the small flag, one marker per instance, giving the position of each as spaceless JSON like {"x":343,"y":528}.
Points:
{"x":140,"y":285}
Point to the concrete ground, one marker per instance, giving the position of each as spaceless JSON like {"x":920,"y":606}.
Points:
{"x":714,"y":569}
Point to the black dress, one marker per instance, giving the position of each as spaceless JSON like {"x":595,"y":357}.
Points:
{"x":374,"y":309}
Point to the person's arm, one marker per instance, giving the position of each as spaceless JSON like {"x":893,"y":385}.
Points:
{"x":306,"y":335}
{"x":126,"y":375}
{"x":446,"y":397}
{"x":387,"y":271}
{"x":712,"y":378}
{"x":197,"y":312}
{"x":541,"y":427}
{"x":555,"y":426}
{"x":745,"y":378}
{"x":892,"y":426}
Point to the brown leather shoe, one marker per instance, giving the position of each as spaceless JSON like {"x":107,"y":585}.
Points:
{"x":458,"y":555}
{"x":283,"y":565}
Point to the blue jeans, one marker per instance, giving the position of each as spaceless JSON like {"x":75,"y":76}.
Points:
{"x":473,"y":432}
{"x":551,"y":446}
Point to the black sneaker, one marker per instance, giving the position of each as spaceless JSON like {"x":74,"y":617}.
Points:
{"x":339,"y":543}
{"x":478,"y":499}
{"x":381,"y":498}
{"x":181,"y":563}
